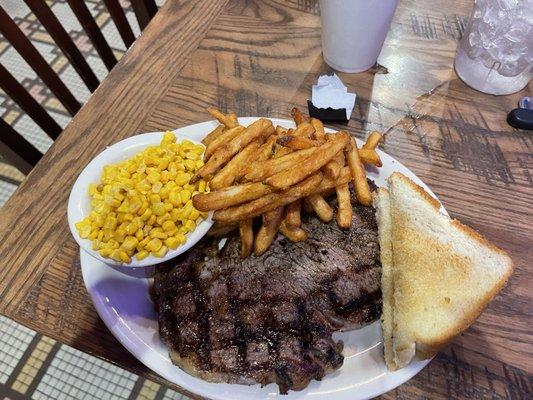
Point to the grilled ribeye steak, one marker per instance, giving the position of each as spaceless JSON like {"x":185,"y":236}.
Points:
{"x":270,"y":318}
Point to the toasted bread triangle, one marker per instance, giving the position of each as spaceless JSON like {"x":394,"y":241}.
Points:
{"x":383,"y":216}
{"x":443,"y":274}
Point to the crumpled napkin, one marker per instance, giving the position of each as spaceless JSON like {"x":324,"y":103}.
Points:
{"x":331,"y":92}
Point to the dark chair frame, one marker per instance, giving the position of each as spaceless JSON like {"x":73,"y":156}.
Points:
{"x":13,"y":146}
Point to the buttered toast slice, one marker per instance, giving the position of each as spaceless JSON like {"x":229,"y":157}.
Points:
{"x":441,"y":273}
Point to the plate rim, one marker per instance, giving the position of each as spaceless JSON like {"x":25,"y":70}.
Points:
{"x":389,"y":382}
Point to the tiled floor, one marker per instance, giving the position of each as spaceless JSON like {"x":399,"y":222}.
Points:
{"x":33,"y":366}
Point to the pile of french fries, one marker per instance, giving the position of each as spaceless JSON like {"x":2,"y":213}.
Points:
{"x":275,"y":173}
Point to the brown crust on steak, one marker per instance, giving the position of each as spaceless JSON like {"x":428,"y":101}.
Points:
{"x":270,"y":318}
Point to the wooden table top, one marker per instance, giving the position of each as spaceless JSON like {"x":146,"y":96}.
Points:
{"x":260,"y":58}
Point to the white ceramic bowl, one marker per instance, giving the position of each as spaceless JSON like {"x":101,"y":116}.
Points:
{"x":79,"y":202}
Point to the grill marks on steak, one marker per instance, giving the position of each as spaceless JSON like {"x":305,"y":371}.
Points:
{"x":270,"y":318}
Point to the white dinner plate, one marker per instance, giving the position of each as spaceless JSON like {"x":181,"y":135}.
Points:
{"x":122,"y":300}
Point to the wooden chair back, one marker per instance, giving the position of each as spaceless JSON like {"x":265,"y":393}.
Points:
{"x":13,"y":146}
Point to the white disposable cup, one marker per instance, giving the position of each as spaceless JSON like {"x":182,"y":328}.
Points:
{"x":353,"y":32}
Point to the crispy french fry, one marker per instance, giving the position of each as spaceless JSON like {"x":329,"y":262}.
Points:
{"x":321,"y":207}
{"x":268,"y":231}
{"x":234,"y":118}
{"x":280,"y":151}
{"x":213,"y":135}
{"x":233,"y":170}
{"x":297,"y":116}
{"x":320,"y":134}
{"x":221,"y":140}
{"x":265,"y":151}
{"x":247,"y":237}
{"x":224,"y":154}
{"x":220,"y":229}
{"x":304,"y":129}
{"x":269,"y":202}
{"x":324,"y":153}
{"x":281,"y":130}
{"x":223,"y":118}
{"x":373,"y":140}
{"x":344,"y":210}
{"x":293,"y":214}
{"x":294,"y":234}
{"x":259,"y":171}
{"x":345,"y":176}
{"x":297,"y":142}
{"x":340,"y":158}
{"x":362,"y":190}
{"x":230,"y":196}
{"x":332,"y":169}
{"x":370,"y":157}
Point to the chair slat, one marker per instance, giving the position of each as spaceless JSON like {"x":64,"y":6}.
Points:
{"x":20,"y":95}
{"x":119,"y":18}
{"x":93,"y":31}
{"x":17,"y":150}
{"x":63,"y":40}
{"x":144,"y":11}
{"x":18,"y":40}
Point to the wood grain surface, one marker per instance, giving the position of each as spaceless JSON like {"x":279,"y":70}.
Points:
{"x":260,"y":58}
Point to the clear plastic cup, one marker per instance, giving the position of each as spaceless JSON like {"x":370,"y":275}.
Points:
{"x":353,"y":32}
{"x":495,"y":55}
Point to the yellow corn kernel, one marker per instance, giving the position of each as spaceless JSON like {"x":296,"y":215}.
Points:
{"x":168,"y":137}
{"x":127,"y":217}
{"x":123,"y":256}
{"x":147,"y":229}
{"x":158,"y":233}
{"x":154,"y":198}
{"x":156,"y":187}
{"x":185,"y":195}
{"x":84,"y":231}
{"x":146,"y":215}
{"x":194,"y":214}
{"x":119,"y":235}
{"x":160,"y":220}
{"x":164,"y":192}
{"x":201,"y":186}
{"x":141,"y":255}
{"x":198,"y":164}
{"x":153,"y":177}
{"x":168,"y":206}
{"x":168,"y":226}
{"x":93,"y":235}
{"x":119,"y":196}
{"x":182,"y":178}
{"x":174,"y":198}
{"x":139,"y":235}
{"x":105,"y":252}
{"x":159,"y":208}
{"x":154,"y":245}
{"x":174,"y":214}
{"x":163,"y":163}
{"x":144,"y":242}
{"x":190,"y":225}
{"x":143,"y":208}
{"x":110,"y":223}
{"x":129,"y":243}
{"x":172,"y":243}
{"x":151,"y":220}
{"x":189,"y":187}
{"x":161,"y":252}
